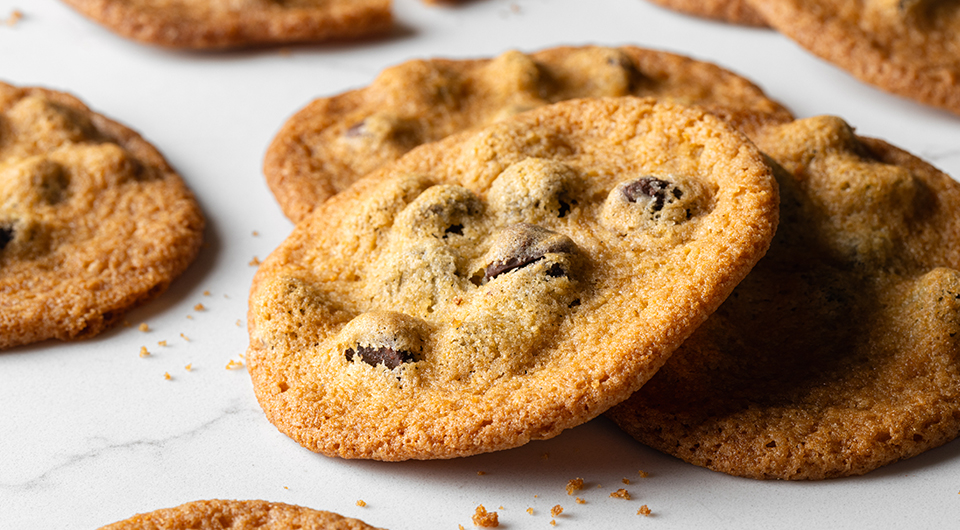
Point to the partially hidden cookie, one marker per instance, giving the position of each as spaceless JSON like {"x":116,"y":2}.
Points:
{"x":906,"y":47}
{"x":840,"y":352}
{"x":93,"y":221}
{"x":238,"y":515}
{"x":730,"y":11}
{"x":217,"y":24}
{"x":333,"y":141}
{"x":501,"y":286}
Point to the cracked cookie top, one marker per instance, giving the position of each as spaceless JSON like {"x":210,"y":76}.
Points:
{"x":333,"y":141}
{"x":93,"y":221}
{"x":504,"y":285}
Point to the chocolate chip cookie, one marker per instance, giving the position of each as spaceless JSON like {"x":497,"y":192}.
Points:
{"x":217,"y":24}
{"x":840,"y":351}
{"x":334,"y":141}
{"x":238,"y":515}
{"x":93,"y":221}
{"x":907,"y":47}
{"x":503,"y":285}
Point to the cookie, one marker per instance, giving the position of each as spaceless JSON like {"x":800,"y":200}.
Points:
{"x":731,"y":11}
{"x":334,"y":141}
{"x":93,"y":221}
{"x":840,"y":352}
{"x":238,"y":515}
{"x":217,"y":24}
{"x":906,"y":47}
{"x":501,"y":286}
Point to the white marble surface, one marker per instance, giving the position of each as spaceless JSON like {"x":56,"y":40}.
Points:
{"x":90,"y":433}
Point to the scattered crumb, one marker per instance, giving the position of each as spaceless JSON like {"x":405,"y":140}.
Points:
{"x":167,"y":376}
{"x":188,"y":367}
{"x":485,"y":519}
{"x":481,"y":473}
{"x":190,"y":317}
{"x":644,"y":511}
{"x":255,"y":233}
{"x":234,"y":364}
{"x":286,"y":487}
{"x":501,"y":508}
{"x":530,"y":511}
{"x":461,"y":527}
{"x":575,"y":484}
{"x":238,"y":322}
{"x":621,"y":494}
{"x":144,"y":327}
{"x":185,"y":337}
{"x":536,"y":496}
{"x":227,"y":297}
{"x":254,"y":262}
{"x":556,"y":510}
{"x":144,"y":352}
{"x":643,"y":474}
{"x":198,"y":307}
{"x":361,"y":503}
{"x":14,"y":17}
{"x":206,"y":293}
{"x":581,"y":501}
{"x":553,"y":522}
{"x":626,"y":481}
{"x":545,"y":456}
{"x":162,"y":343}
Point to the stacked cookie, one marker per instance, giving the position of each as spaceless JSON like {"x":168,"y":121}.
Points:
{"x":504,"y":283}
{"x":906,"y":47}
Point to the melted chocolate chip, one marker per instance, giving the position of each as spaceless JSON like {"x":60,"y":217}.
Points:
{"x":6,"y":236}
{"x":384,"y":355}
{"x":658,"y":190}
{"x":529,"y":244}
{"x":499,"y":267}
{"x":355,"y":130}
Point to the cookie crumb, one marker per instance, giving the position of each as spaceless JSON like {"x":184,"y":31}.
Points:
{"x":530,"y":511}
{"x":198,"y":307}
{"x":580,"y":501}
{"x":190,"y":317}
{"x":185,"y":337}
{"x":361,"y":503}
{"x":643,"y":474}
{"x":254,"y":262}
{"x":144,"y":327}
{"x":206,"y":293}
{"x":626,"y":480}
{"x":481,"y":473}
{"x":255,"y":233}
{"x":485,"y":519}
{"x":232,"y":365}
{"x":573,"y":485}
{"x":238,"y":322}
{"x":553,"y":522}
{"x":167,"y":376}
{"x":188,"y":367}
{"x":14,"y":17}
{"x":144,"y":352}
{"x":644,"y":511}
{"x":556,"y":510}
{"x":621,"y":494}
{"x":162,"y":343}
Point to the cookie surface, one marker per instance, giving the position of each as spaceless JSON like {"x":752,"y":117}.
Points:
{"x":93,"y":221}
{"x":212,"y":24}
{"x":907,"y":47}
{"x":501,"y":286}
{"x":840,"y":351}
{"x":732,"y":11}
{"x":238,"y":515}
{"x":333,"y":141}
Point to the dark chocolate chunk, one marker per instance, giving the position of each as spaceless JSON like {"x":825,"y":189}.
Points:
{"x":524,"y":244}
{"x":6,"y":236}
{"x":384,"y":355}
{"x":657,"y":189}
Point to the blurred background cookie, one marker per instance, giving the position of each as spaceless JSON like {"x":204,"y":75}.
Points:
{"x":93,"y":221}
{"x":333,"y":141}
{"x":731,"y":11}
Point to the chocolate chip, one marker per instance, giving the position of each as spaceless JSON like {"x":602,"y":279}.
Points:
{"x":384,"y":355}
{"x":522,"y":244}
{"x":658,"y":190}
{"x":6,"y":236}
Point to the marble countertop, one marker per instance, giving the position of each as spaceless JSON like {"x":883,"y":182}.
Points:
{"x":91,"y":433}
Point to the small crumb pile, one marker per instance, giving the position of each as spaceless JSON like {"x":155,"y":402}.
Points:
{"x":485,"y":519}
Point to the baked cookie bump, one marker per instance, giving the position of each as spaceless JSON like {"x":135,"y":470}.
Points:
{"x":840,"y":352}
{"x":334,"y":141}
{"x":483,"y":291}
{"x":93,"y":221}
